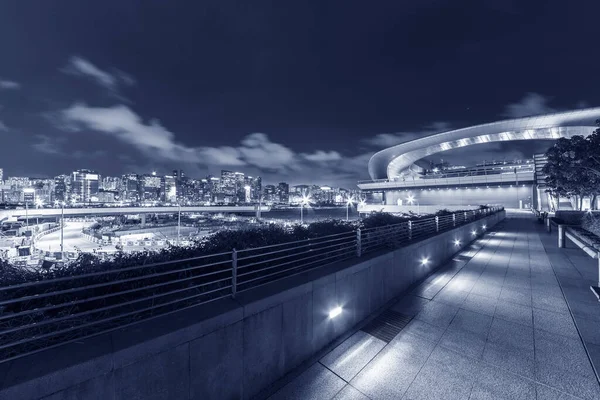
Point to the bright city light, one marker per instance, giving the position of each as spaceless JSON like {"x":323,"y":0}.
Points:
{"x":424,"y":261}
{"x":335,"y":312}
{"x":410,"y":199}
{"x":305,"y":200}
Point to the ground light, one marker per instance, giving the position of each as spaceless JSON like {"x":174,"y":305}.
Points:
{"x":424,"y":261}
{"x":456,"y":242}
{"x":483,"y":227}
{"x":473,"y":233}
{"x":335,"y":312}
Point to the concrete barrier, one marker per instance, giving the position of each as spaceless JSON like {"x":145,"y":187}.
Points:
{"x":231,"y":349}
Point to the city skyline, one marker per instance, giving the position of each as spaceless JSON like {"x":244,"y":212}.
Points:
{"x":275,"y":97}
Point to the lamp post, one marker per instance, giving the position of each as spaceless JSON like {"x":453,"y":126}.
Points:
{"x":411,"y":200}
{"x":361,"y":204}
{"x":178,"y":222}
{"x":304,"y":202}
{"x":62,"y":225}
{"x":348,"y":203}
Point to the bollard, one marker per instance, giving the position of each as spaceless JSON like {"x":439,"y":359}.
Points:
{"x":453,"y":219}
{"x":409,"y":230}
{"x":358,"y":243}
{"x":548,"y":225}
{"x":437,"y":223}
{"x":561,"y":236}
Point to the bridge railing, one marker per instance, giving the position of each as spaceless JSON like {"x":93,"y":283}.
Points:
{"x":42,"y":314}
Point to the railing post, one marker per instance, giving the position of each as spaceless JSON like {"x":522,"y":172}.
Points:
{"x":465,"y":217}
{"x":358,"y":243}
{"x":437,"y":223}
{"x":234,"y":272}
{"x":409,"y":230}
{"x":548,"y":225}
{"x":561,"y":236}
{"x":453,"y":219}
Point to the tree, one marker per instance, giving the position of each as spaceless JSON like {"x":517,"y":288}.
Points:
{"x":573,"y":167}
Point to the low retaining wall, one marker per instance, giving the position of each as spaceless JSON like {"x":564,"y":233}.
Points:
{"x":231,"y":348}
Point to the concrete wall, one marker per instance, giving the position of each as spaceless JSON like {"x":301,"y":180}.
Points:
{"x":465,"y":196}
{"x":229,"y":349}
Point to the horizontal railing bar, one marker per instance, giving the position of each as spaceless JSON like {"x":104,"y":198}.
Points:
{"x":292,"y":255}
{"x":82,"y":314}
{"x":300,"y":266}
{"x":89,"y":299}
{"x":289,"y":262}
{"x":296,"y":241}
{"x":113,"y":318}
{"x":109,"y":283}
{"x":311,"y":243}
{"x":112,"y":271}
{"x":109,"y":330}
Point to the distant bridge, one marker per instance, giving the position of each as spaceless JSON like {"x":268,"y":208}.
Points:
{"x":112,"y":211}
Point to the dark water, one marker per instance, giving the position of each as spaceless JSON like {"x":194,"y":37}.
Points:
{"x":311,"y":214}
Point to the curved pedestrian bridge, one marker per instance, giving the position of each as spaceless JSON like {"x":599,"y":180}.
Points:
{"x":512,"y":317}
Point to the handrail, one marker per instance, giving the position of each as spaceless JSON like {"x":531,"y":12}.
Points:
{"x":43,"y":314}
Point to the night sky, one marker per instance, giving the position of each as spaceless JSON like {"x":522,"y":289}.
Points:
{"x":302,"y":91}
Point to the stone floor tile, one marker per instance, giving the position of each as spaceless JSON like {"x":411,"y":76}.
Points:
{"x":316,"y":383}
{"x":473,"y":322}
{"x":495,"y":384}
{"x":350,"y":393}
{"x":423,"y":329}
{"x":514,"y":313}
{"x":438,"y":314}
{"x":410,"y":305}
{"x":566,"y":381}
{"x":481,"y":304}
{"x":347,"y":359}
{"x":554,"y":322}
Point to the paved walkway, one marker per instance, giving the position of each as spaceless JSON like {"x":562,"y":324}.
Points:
{"x":495,"y":323}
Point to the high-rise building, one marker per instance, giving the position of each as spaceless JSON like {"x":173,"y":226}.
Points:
{"x":60,"y":189}
{"x":151,"y":185}
{"x":85,"y":185}
{"x":1,"y":176}
{"x":130,"y":188}
{"x":170,"y":189}
{"x":227,"y":192}
{"x":254,"y":191}
{"x":283,"y":193}
{"x":269,"y":194}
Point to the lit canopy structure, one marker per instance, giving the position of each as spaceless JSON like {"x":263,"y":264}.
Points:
{"x":396,"y":161}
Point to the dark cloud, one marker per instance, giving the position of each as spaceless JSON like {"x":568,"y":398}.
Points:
{"x":300,"y":91}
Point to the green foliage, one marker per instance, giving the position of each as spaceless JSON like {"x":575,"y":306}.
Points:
{"x":573,"y":167}
{"x":377,"y":219}
{"x":591,"y":223}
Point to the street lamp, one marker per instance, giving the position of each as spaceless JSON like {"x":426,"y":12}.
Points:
{"x":304,"y":202}
{"x":348,"y":204}
{"x":62,"y":225}
{"x":411,"y":200}
{"x":178,"y":222}
{"x":361,"y":204}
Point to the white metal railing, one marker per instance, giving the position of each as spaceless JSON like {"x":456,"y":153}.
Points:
{"x":525,"y":176}
{"x":41,"y":314}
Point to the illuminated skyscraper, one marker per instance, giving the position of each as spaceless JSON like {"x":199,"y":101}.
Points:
{"x":85,"y":185}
